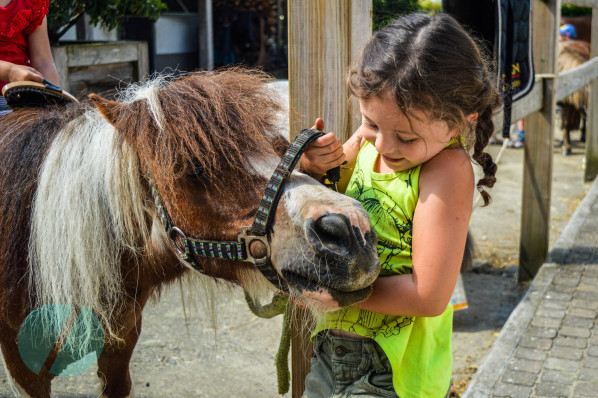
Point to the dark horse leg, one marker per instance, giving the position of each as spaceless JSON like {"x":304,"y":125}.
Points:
{"x":566,"y":143}
{"x":23,"y":379}
{"x":569,"y":121}
{"x":584,"y":117}
{"x":113,"y":363}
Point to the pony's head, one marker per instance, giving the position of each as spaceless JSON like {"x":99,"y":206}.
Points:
{"x":210,"y":142}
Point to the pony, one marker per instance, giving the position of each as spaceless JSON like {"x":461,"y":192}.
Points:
{"x":573,"y":53}
{"x":79,"y":226}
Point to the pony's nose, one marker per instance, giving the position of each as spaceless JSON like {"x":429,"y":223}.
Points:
{"x":331,"y":234}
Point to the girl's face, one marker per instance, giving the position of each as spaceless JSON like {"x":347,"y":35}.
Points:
{"x":402,"y":145}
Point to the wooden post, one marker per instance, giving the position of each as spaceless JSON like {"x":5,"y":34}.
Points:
{"x":142,"y":60}
{"x":206,"y":34}
{"x":537,"y":165}
{"x":324,"y":38}
{"x":592,"y":127}
{"x":62,"y":65}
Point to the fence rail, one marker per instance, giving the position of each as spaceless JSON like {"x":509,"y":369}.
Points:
{"x":567,"y":83}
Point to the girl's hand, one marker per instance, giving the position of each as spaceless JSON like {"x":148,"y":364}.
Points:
{"x":19,"y":73}
{"x":323,"y":154}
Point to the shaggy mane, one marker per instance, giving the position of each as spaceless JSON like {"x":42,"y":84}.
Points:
{"x":206,"y":120}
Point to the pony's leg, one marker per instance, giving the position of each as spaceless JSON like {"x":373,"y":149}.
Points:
{"x":566,"y":142}
{"x":113,"y":365}
{"x":22,"y":380}
{"x":583,"y":127}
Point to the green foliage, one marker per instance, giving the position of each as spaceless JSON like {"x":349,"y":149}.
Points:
{"x":386,"y":11}
{"x":107,"y":13}
{"x":430,"y":6}
{"x":574,"y":11}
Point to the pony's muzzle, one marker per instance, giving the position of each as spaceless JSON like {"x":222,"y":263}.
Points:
{"x":341,"y":243}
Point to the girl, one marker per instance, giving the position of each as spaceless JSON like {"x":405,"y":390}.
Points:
{"x":24,"y":46}
{"x":425,"y":91}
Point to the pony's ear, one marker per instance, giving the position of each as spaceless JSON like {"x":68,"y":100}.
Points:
{"x":108,"y":109}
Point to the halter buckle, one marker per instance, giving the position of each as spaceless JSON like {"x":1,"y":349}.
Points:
{"x":246,"y":237}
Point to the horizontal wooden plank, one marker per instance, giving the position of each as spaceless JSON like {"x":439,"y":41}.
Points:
{"x":582,"y":3}
{"x":574,"y":80}
{"x":523,"y":107}
{"x":84,"y":54}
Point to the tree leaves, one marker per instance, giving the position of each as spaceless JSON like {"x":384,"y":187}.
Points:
{"x":109,"y":14}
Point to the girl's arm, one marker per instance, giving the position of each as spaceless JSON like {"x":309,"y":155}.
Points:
{"x":40,"y":53}
{"x":10,"y":72}
{"x":327,"y":152}
{"x":440,"y":226}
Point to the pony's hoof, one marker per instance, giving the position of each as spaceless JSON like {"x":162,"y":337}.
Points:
{"x":567,"y":152}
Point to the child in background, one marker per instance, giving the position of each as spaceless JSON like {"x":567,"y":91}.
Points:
{"x":24,"y":46}
{"x":425,"y":92}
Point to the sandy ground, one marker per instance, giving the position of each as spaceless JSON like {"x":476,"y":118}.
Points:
{"x":178,"y":357}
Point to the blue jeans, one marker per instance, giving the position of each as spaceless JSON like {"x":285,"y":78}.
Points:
{"x":4,"y":108}
{"x":347,"y":367}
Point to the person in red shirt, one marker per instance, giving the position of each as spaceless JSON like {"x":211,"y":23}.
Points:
{"x":24,"y":45}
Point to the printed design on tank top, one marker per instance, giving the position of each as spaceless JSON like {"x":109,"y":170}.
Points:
{"x":383,"y":210}
{"x":389,"y":216}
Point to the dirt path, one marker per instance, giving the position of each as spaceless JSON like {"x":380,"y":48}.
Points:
{"x":178,"y":358}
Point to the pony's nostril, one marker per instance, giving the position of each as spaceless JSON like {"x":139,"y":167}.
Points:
{"x":331,"y":232}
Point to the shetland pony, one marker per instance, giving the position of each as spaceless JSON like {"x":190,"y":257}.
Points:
{"x":573,"y":53}
{"x":78,"y":226}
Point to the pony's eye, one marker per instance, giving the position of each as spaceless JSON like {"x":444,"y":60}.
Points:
{"x":197,"y":171}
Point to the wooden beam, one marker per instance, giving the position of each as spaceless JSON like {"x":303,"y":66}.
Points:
{"x":98,"y":53}
{"x":142,"y":61}
{"x":61,"y":61}
{"x":574,"y":80}
{"x":205,"y":34}
{"x":537,"y":165}
{"x":592,"y":128}
{"x":324,"y":38}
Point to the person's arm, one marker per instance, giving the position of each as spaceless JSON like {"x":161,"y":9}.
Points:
{"x":440,"y":226}
{"x":10,"y":72}
{"x":327,"y":152}
{"x":40,"y":53}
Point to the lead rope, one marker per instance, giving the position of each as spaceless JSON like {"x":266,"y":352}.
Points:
{"x":281,"y":304}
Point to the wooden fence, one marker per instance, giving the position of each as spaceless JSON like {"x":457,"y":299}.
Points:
{"x":324,"y":38}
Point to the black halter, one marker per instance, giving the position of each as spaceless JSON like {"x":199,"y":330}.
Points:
{"x":190,"y":248}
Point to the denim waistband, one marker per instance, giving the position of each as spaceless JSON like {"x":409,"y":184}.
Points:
{"x":363,"y":353}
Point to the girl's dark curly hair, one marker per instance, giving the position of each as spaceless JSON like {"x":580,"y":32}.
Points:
{"x":431,"y":64}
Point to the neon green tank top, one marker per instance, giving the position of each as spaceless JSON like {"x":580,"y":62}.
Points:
{"x":419,"y":348}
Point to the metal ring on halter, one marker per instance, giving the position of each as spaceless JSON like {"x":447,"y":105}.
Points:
{"x":247,"y":236}
{"x":172,"y":234}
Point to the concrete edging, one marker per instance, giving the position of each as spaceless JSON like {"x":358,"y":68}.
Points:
{"x":492,"y":368}
{"x":568,"y":237}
